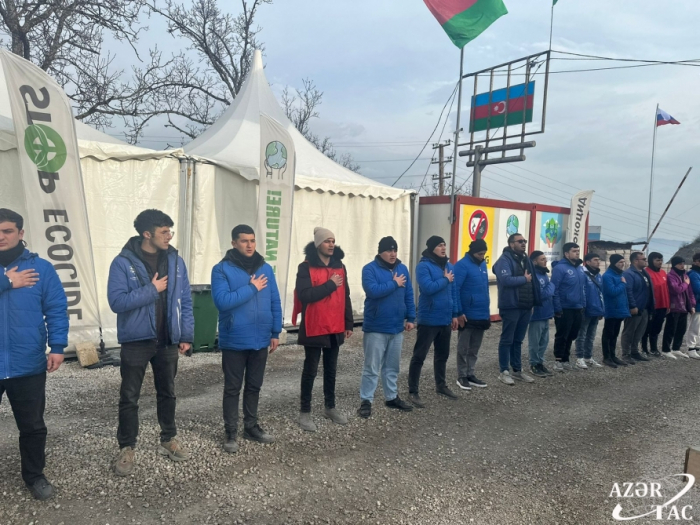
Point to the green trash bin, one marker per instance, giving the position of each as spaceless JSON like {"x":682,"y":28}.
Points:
{"x":206,"y":317}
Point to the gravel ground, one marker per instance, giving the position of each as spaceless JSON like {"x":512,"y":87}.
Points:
{"x":547,"y":452}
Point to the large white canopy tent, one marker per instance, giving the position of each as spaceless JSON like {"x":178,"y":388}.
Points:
{"x":358,"y":210}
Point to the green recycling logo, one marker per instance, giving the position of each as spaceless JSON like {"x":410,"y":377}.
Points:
{"x":45,"y":147}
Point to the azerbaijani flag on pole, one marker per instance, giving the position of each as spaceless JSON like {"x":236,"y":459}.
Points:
{"x":502,"y":108}
{"x":663,"y":118}
{"x":464,"y":20}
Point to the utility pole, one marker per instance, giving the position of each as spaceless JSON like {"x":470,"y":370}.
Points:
{"x":441,"y":166}
{"x":481,"y":159}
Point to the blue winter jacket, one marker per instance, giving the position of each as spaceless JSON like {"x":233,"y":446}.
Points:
{"x":437,"y":304}
{"x":694,"y":275}
{"x":248,"y":318}
{"x":508,"y":282}
{"x":545,"y":311}
{"x":132,"y":296}
{"x":639,"y":294}
{"x":472,"y":286}
{"x":570,"y":284}
{"x":387,"y":305}
{"x":26,"y":314}
{"x":615,"y":295}
{"x":594,"y":294}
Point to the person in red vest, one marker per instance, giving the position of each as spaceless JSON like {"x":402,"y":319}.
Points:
{"x":650,"y":340}
{"x":322,"y":296}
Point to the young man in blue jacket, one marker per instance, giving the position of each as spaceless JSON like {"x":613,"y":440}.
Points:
{"x":538,"y":330}
{"x":640,"y":294}
{"x":616,"y":303}
{"x":31,"y":296}
{"x":245,"y":292}
{"x":593,"y":313}
{"x":389,"y":311}
{"x":437,"y":318}
{"x":692,"y":336}
{"x":474,"y":306}
{"x":518,"y":293}
{"x":149,"y":290}
{"x":569,"y":303}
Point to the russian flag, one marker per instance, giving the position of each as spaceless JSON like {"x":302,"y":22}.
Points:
{"x":663,"y":118}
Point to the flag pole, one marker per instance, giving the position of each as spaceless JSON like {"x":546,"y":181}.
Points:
{"x":551,"y":28}
{"x":453,"y":215}
{"x":651,"y":178}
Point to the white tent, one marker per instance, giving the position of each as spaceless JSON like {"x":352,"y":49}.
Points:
{"x":358,"y":210}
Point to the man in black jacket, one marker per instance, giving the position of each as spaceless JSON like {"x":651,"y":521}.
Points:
{"x":322,"y":296}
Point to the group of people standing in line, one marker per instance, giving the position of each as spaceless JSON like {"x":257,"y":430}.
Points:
{"x":149,"y":290}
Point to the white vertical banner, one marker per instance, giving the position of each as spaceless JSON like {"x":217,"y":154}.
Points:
{"x":580,"y":206}
{"x":56,"y":222}
{"x":276,"y":199}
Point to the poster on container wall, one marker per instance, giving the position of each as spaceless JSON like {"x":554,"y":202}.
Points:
{"x":477,"y":223}
{"x":509,"y":222}
{"x":551,"y":228}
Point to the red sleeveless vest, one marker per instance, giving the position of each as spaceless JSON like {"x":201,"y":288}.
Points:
{"x":326,"y":316}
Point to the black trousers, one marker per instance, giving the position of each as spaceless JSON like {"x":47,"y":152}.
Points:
{"x":308,"y":375}
{"x":567,"y":327}
{"x":237,"y":366}
{"x":427,"y":336}
{"x":650,"y":340}
{"x":135,"y":359}
{"x":676,"y":325}
{"x":611,"y":331}
{"x":27,"y":397}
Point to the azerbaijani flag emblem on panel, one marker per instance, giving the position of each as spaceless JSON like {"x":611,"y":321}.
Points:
{"x":663,"y":118}
{"x":490,"y":112}
{"x":464,"y":20}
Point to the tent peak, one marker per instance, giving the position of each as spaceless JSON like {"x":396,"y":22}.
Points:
{"x":257,"y":61}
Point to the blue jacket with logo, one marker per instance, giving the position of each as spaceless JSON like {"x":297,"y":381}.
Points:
{"x":27,"y":314}
{"x":545,"y":311}
{"x":132,"y":296}
{"x":570,"y":284}
{"x":694,"y":276}
{"x":509,"y":281}
{"x":594,"y":294}
{"x":472,"y":286}
{"x":437,"y":304}
{"x":387,"y":305}
{"x":248,"y":318}
{"x":615,"y":295}
{"x":639,"y":294}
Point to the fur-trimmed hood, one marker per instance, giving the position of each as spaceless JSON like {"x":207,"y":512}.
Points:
{"x":314,"y":260}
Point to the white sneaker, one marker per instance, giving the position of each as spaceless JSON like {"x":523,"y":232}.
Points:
{"x":522,"y":376}
{"x":558,"y":366}
{"x":504,"y":377}
{"x":581,"y":363}
{"x":678,"y":353}
{"x":595,"y":364}
{"x":668,"y":355}
{"x":694,"y":354}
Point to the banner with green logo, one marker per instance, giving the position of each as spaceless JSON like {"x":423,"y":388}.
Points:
{"x":56,"y":223}
{"x":276,"y":199}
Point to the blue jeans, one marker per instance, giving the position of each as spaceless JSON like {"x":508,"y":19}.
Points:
{"x":382,"y":353}
{"x":513,"y":332}
{"x":586,"y":338}
{"x":538,"y":339}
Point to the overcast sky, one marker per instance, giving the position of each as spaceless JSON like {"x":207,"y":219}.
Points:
{"x":387,"y":68}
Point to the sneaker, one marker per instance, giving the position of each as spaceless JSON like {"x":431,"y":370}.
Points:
{"x":535,"y":369}
{"x":336,"y":416}
{"x":258,"y":435}
{"x":581,"y":363}
{"x":678,"y":353}
{"x":655,"y":353}
{"x":306,"y":423}
{"x":415,"y":399}
{"x":446,"y":392}
{"x":558,"y":366}
{"x":365,"y":409}
{"x":522,"y":376}
{"x":546,"y":370}
{"x":504,"y":377}
{"x":231,"y":445}
{"x":174,"y":450}
{"x":668,"y":355}
{"x":567,"y":366}
{"x":628,"y":359}
{"x":609,"y":362}
{"x":399,"y":404}
{"x":474,"y":381}
{"x":463,"y":382}
{"x":639,"y":357}
{"x":618,"y":361}
{"x":41,"y":489}
{"x":592,"y":363}
{"x":694,"y":354}
{"x":124,"y":464}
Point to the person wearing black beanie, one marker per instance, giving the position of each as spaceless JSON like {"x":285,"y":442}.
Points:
{"x":593,"y":313}
{"x":478,"y":246}
{"x":682,"y":303}
{"x":433,"y":242}
{"x":616,"y":309}
{"x":650,"y":339}
{"x":387,"y":244}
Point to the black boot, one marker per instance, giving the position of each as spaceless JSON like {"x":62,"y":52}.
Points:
{"x":645,"y":344}
{"x":654,"y":345}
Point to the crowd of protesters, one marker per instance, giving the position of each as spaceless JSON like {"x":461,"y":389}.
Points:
{"x":149,"y":290}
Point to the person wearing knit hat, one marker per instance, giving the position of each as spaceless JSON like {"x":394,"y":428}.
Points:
{"x":322,"y":297}
{"x":693,"y":334}
{"x":682,"y":303}
{"x":593,"y":313}
{"x":641,"y":298}
{"x":538,"y":328}
{"x":389,"y":311}
{"x":474,"y":306}
{"x":437,"y":318}
{"x":662,"y":302}
{"x":616,"y":307}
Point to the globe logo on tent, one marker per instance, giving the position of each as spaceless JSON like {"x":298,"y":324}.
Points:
{"x":512,"y":225}
{"x":276,"y":159}
{"x":45,"y":148}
